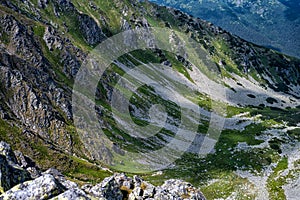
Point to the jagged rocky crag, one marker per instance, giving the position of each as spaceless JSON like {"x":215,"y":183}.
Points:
{"x":43,"y":44}
{"x":21,"y":179}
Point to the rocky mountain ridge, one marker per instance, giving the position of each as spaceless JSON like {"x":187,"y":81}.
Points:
{"x":20,"y":179}
{"x":271,"y":23}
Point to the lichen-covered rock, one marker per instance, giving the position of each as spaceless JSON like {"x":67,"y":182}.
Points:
{"x":108,"y":188}
{"x":7,"y":152}
{"x":87,"y":188}
{"x":136,"y":193}
{"x":72,"y":194}
{"x":58,"y":176}
{"x":34,"y":172}
{"x":51,"y":184}
{"x":24,"y":161}
{"x":179,"y":190}
{"x":27,"y":164}
{"x":11,"y":174}
{"x":142,"y":189}
{"x":136,"y":188}
{"x":148,"y":189}
{"x":44,"y":187}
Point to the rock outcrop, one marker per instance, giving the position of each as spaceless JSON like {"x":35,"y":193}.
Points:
{"x":17,"y":184}
{"x":43,"y":187}
{"x":90,"y":30}
{"x":11,"y":173}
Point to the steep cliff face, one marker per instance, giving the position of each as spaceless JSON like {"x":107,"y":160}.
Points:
{"x":44,"y":44}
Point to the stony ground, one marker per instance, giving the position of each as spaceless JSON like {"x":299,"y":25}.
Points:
{"x":20,"y":179}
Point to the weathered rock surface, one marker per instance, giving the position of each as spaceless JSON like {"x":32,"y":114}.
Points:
{"x":58,"y":176}
{"x":44,"y":187}
{"x":72,"y":194}
{"x":24,"y":68}
{"x":11,"y":173}
{"x":178,"y":189}
{"x":108,"y":188}
{"x":22,"y":41}
{"x":90,"y":30}
{"x":52,"y":40}
{"x":28,"y":164}
{"x":15,"y":184}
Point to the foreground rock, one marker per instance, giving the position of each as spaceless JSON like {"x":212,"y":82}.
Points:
{"x":44,"y":187}
{"x":11,"y":173}
{"x":177,"y":189}
{"x":15,"y":184}
{"x":75,"y":194}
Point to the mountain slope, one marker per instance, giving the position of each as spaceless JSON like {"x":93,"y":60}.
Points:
{"x":244,"y":93}
{"x":271,"y":23}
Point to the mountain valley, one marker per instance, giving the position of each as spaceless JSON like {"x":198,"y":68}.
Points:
{"x":94,"y":88}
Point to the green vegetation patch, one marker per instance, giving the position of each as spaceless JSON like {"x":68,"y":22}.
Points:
{"x":4,"y":37}
{"x":275,"y":181}
{"x":294,"y":133}
{"x":289,"y":115}
{"x":223,"y":53}
{"x":46,"y":155}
